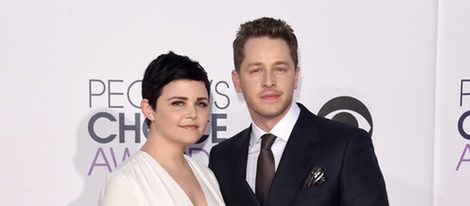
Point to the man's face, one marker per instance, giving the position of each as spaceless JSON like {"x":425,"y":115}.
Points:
{"x":267,"y":78}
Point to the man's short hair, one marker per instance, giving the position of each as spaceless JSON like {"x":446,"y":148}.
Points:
{"x":265,"y":26}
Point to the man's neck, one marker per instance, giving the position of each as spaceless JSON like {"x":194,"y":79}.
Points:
{"x":267,"y":123}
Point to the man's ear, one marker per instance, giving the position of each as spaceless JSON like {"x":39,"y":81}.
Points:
{"x":296,"y":77}
{"x":236,"y":80}
{"x":147,"y":109}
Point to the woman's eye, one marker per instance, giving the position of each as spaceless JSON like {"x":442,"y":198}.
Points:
{"x":177,"y":103}
{"x":202,"y":104}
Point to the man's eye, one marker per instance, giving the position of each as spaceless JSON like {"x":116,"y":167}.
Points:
{"x":281,"y":69}
{"x":254,"y":71}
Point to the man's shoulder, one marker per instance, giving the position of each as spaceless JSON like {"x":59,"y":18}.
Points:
{"x":232,"y":141}
{"x":328,"y":127}
{"x":337,"y":125}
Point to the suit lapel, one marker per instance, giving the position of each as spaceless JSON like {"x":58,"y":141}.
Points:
{"x":237,"y":169}
{"x":300,"y":152}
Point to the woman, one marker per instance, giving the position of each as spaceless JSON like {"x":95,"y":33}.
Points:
{"x":175,"y":92}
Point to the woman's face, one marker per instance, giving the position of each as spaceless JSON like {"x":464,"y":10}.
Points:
{"x":182,"y":111}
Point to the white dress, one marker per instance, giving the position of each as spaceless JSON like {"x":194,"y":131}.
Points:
{"x":142,"y":181}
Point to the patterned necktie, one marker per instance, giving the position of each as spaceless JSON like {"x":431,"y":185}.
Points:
{"x":265,"y":168}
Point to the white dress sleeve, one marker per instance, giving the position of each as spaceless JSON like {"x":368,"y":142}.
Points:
{"x":118,"y":191}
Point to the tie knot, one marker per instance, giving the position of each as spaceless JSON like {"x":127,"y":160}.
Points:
{"x":267,"y":141}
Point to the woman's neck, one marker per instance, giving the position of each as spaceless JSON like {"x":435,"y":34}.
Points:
{"x":169,"y":154}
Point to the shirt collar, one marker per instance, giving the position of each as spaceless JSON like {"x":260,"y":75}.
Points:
{"x":282,"y":129}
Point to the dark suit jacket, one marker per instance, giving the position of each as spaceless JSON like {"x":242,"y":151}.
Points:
{"x":345,"y":153}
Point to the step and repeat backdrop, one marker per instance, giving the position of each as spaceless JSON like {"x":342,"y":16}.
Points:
{"x":452,"y":114}
{"x":71,"y":75}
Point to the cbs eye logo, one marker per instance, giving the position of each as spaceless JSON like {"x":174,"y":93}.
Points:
{"x":348,"y":110}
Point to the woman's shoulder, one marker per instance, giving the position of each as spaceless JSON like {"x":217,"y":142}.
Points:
{"x":119,"y":188}
{"x":130,"y":167}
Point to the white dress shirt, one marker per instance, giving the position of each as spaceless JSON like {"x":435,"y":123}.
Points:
{"x":282,"y":130}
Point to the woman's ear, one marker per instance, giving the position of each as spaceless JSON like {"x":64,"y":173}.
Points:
{"x":147,"y":109}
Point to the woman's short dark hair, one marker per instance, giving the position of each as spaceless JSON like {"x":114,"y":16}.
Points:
{"x":166,"y":68}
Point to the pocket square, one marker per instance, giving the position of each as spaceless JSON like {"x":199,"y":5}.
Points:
{"x":315,"y":177}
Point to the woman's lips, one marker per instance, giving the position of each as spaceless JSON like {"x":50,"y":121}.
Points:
{"x":190,"y":126}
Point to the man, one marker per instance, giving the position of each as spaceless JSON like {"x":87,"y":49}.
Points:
{"x":289,"y":156}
